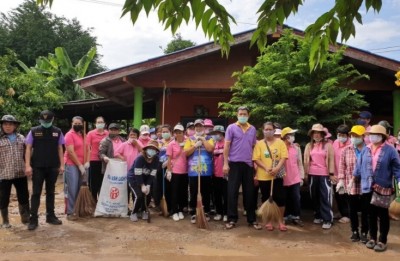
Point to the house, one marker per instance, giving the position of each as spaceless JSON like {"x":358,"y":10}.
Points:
{"x":190,"y":83}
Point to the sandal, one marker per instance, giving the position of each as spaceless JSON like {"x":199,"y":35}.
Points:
{"x":255,"y":225}
{"x":230,"y":225}
{"x":282,"y":227}
{"x":269,"y":227}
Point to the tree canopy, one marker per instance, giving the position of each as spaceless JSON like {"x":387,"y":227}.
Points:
{"x":31,"y":32}
{"x":215,"y":20}
{"x":177,"y":44}
{"x":280,"y":87}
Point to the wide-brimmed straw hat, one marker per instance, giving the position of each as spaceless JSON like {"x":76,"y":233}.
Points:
{"x":152,"y":145}
{"x":377,"y":129}
{"x":316,"y":127}
{"x":9,"y":118}
{"x":217,"y":129}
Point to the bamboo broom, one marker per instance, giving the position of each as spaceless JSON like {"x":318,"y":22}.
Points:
{"x":85,"y":205}
{"x":201,"y":220}
{"x":269,"y":210}
{"x":394,"y":208}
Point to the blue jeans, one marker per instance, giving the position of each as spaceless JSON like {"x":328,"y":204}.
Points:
{"x":72,"y":183}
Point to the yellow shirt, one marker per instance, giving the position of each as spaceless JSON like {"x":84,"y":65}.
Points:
{"x":260,"y":152}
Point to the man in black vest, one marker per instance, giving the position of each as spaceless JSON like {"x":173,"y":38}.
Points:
{"x":44,"y":160}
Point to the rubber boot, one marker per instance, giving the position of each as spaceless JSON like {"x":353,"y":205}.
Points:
{"x":4,"y":215}
{"x":24,"y":213}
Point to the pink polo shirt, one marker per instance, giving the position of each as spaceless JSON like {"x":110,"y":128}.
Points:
{"x":292,"y":167}
{"x":93,"y":139}
{"x":76,"y":140}
{"x":338,"y":147}
{"x":219,"y":158}
{"x":178,"y":157}
{"x":129,"y":152}
{"x":375,"y":155}
{"x":318,"y":160}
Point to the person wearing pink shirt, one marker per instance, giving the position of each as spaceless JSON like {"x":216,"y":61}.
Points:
{"x":109,"y":145}
{"x":130,"y":149}
{"x":294,"y":178}
{"x":341,"y":197}
{"x":220,"y":182}
{"x":144,"y":136}
{"x":319,"y":167}
{"x":93,"y":139}
{"x":74,"y":164}
{"x":177,"y":173}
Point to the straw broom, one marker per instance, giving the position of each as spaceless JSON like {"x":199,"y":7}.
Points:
{"x":394,"y":208}
{"x":85,"y":205}
{"x":269,"y":211}
{"x":201,"y":220}
{"x":163,"y":202}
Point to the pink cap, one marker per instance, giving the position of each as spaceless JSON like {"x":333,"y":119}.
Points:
{"x":327,"y":133}
{"x":208,"y":123}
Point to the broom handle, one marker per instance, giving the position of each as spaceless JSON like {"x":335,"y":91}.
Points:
{"x":199,"y":172}
{"x":272,"y":187}
{"x":85,"y":156}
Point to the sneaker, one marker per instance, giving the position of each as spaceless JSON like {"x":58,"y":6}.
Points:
{"x":355,"y":237}
{"x":317,"y":221}
{"x":326,"y":225}
{"x":370,"y":244}
{"x":344,"y":220}
{"x":193,"y":219}
{"x":72,"y":217}
{"x":298,"y":222}
{"x":133,"y":217}
{"x":364,"y":238}
{"x":53,"y":220}
{"x":181,"y":216}
{"x":218,"y":217}
{"x":225,"y":219}
{"x":175,"y":217}
{"x":145,"y":215}
{"x":380,"y":247}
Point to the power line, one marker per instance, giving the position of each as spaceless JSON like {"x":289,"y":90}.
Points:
{"x":390,"y":51}
{"x":101,"y":2}
{"x":384,"y":48}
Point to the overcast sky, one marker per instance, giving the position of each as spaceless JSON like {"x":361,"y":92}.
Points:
{"x":122,"y":44}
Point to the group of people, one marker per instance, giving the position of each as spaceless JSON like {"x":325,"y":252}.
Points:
{"x":360,"y":169}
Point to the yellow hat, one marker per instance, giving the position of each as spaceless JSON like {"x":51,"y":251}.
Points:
{"x":377,"y":129}
{"x":287,"y":131}
{"x":358,"y":130}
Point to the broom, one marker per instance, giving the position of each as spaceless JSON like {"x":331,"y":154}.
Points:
{"x":147,"y":209}
{"x":85,"y":205}
{"x":163,"y":202}
{"x":201,"y":220}
{"x":394,"y":208}
{"x":269,"y":211}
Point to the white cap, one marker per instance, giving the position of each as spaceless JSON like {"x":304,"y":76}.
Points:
{"x":179,"y":127}
{"x":144,"y":129}
{"x":278,"y":132}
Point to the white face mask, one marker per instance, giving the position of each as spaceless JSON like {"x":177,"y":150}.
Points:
{"x":291,"y":139}
{"x":342,"y":139}
{"x":375,"y":138}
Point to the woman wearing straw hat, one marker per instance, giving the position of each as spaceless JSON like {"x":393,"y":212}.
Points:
{"x":141,"y":177}
{"x":357,"y":202}
{"x":267,"y":169}
{"x":294,"y":177}
{"x":319,"y":168}
{"x":378,"y":164}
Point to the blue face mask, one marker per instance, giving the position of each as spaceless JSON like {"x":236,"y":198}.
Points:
{"x":216,"y":137}
{"x":243,"y":119}
{"x":166,"y":135}
{"x":356,"y":141}
{"x":150,"y":153}
{"x":46,"y":124}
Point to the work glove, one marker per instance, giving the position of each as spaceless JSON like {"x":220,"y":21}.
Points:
{"x":301,"y":182}
{"x":198,"y":144}
{"x":398,"y":185}
{"x":164,"y":164}
{"x":87,"y":165}
{"x":106,"y":159}
{"x":144,"y":189}
{"x":349,"y":186}
{"x":82,"y":169}
{"x":168,"y":175}
{"x":147,"y":190}
{"x":340,"y":185}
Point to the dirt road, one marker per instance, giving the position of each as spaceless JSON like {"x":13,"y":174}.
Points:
{"x":120,"y":239}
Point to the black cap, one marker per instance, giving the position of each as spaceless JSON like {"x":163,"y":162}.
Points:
{"x":114,"y":126}
{"x":46,"y":116}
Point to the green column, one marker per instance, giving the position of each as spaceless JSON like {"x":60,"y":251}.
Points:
{"x":396,"y":110}
{"x":137,"y":106}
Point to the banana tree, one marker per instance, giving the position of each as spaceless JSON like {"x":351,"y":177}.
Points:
{"x":60,"y":72}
